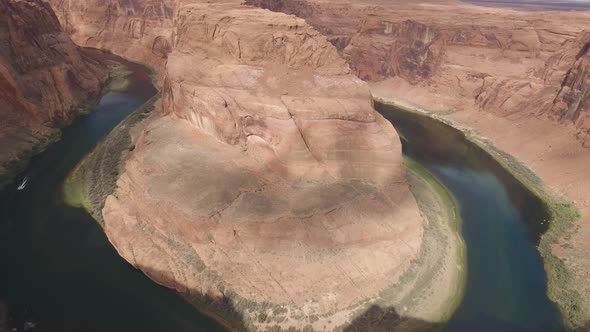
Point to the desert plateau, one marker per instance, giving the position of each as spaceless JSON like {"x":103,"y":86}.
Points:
{"x":294,"y":165}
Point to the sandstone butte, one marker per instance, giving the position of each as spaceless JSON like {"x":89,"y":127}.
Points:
{"x":521,"y":79}
{"x":267,"y":185}
{"x":44,"y":77}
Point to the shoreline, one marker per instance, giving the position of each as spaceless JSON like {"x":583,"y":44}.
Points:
{"x":564,"y":215}
{"x":115,"y":147}
{"x":420,"y":180}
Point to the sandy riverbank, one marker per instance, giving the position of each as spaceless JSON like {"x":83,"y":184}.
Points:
{"x":547,"y":159}
{"x":437,"y":279}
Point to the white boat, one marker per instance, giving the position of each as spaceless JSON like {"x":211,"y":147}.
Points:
{"x":23,"y":184}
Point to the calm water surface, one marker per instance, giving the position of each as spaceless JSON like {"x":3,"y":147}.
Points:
{"x":502,"y":223}
{"x":58,"y":269}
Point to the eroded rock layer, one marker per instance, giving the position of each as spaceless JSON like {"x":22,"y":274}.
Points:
{"x":267,"y":188}
{"x":44,"y":77}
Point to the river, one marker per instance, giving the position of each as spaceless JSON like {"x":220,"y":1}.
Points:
{"x":501,"y":224}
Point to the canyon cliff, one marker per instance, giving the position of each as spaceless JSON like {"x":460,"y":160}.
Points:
{"x":138,"y":30}
{"x":44,"y":77}
{"x":458,"y":56}
{"x":518,"y":78}
{"x":266,"y":189}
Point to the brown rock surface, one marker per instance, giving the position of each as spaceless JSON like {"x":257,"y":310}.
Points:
{"x":268,"y":182}
{"x":44,"y":76}
{"x":526,"y":70}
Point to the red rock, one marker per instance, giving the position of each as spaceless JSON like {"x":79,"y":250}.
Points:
{"x":267,"y":179}
{"x":44,"y":76}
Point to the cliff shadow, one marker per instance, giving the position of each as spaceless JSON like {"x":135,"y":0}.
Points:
{"x":378,"y":319}
{"x":220,"y":313}
{"x":215,"y":314}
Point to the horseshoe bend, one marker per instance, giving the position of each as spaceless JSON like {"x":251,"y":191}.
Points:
{"x":266,"y":177}
{"x":254,"y":167}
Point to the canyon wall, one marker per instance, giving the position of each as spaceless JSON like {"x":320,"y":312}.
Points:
{"x":266,"y":189}
{"x":456,"y":56}
{"x":572,"y":102}
{"x":139,"y":30}
{"x":44,"y":77}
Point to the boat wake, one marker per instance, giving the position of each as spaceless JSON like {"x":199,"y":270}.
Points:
{"x":23,"y":184}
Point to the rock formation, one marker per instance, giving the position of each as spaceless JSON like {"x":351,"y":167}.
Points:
{"x":267,"y":189}
{"x":44,"y":77}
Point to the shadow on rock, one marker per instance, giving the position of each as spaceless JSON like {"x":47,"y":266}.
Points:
{"x":377,"y":319}
{"x":221,"y":314}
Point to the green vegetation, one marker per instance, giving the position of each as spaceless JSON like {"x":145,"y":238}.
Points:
{"x":118,"y":81}
{"x":441,"y":209}
{"x":562,"y":224}
{"x":95,"y":177}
